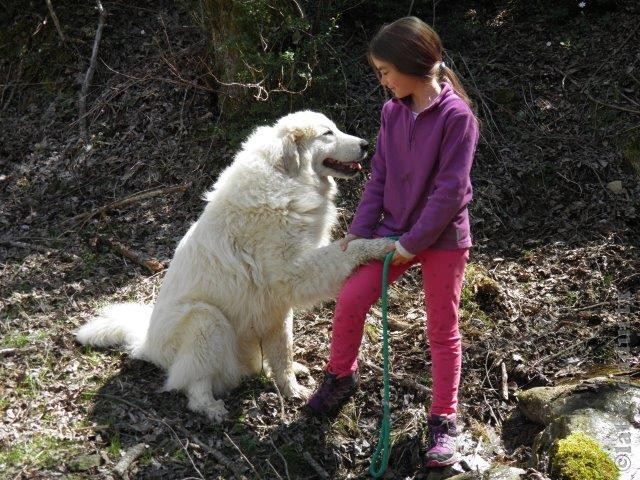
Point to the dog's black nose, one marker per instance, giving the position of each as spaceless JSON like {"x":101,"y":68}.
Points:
{"x":364,"y":145}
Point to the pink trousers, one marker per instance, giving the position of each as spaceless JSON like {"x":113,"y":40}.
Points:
{"x":442,"y":275}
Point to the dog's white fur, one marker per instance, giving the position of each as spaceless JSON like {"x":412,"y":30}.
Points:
{"x":256,"y":251}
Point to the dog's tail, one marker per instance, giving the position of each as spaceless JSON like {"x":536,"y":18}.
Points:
{"x":118,"y":324}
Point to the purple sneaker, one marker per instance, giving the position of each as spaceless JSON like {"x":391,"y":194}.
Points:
{"x":442,"y":447}
{"x":331,"y":394}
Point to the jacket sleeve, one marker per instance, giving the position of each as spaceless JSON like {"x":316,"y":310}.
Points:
{"x":369,"y":211}
{"x":452,"y":184}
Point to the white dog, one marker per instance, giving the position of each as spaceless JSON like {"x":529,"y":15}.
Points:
{"x":255,"y":252}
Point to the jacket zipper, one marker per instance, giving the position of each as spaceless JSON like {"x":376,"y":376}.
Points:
{"x":411,"y":128}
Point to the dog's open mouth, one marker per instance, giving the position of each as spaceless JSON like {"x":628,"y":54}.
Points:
{"x":352,"y":167}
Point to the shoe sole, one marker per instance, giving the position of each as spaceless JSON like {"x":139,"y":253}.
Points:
{"x":443,"y":463}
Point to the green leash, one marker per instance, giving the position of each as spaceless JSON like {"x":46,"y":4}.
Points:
{"x":380,"y":458}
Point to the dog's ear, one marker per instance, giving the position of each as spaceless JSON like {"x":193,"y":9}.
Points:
{"x":290,"y":153}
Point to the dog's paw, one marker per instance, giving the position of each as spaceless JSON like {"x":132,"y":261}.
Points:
{"x":293,"y":389}
{"x":300,"y":369}
{"x":375,"y":249}
{"x":215,"y":410}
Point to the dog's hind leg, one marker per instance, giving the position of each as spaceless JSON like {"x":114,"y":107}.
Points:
{"x":201,"y":400}
{"x":207,"y":360}
{"x":278,"y":349}
{"x":318,"y":274}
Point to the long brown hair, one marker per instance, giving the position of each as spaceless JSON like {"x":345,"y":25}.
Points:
{"x":414,"y":48}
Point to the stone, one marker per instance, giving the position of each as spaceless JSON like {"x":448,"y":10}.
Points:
{"x":85,"y":462}
{"x":602,"y":408}
{"x":615,"y":187}
{"x":497,"y":472}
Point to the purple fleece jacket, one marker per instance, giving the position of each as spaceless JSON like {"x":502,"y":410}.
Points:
{"x":420,"y":181}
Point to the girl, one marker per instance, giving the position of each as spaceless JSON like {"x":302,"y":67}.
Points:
{"x":419,"y":190}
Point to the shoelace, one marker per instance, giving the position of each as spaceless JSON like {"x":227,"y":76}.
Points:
{"x":439,"y":435}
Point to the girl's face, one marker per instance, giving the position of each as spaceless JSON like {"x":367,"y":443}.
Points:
{"x":401,"y":84}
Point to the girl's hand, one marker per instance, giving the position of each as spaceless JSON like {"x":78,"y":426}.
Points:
{"x":344,"y":242}
{"x":398,"y":259}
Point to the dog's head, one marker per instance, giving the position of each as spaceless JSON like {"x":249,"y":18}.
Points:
{"x":311,"y":141}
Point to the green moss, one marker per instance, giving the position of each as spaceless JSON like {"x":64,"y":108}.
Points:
{"x":479,"y":295}
{"x":578,"y":456}
{"x":372,"y":332}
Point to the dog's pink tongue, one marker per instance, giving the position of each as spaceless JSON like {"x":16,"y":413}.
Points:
{"x":355,"y":166}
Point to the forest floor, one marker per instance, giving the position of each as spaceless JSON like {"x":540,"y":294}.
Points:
{"x":553,"y":280}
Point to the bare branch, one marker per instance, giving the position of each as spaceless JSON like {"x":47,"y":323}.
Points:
{"x":82,"y":103}
{"x":56,"y":22}
{"x":126,"y":201}
{"x":151,"y":264}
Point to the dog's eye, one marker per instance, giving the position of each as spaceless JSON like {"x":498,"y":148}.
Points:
{"x":328,"y":132}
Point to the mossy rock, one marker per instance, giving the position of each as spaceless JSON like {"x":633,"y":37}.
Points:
{"x":538,"y":403}
{"x":578,"y":457}
{"x":544,"y":404}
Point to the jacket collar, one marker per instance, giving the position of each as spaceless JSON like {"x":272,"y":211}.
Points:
{"x":445,"y":91}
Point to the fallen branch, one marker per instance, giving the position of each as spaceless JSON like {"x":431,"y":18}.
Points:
{"x":28,"y":246}
{"x":82,"y":103}
{"x":595,"y":100}
{"x":55,"y":21}
{"x":136,"y":197}
{"x":129,"y":457}
{"x":151,"y":264}
{"x":284,"y":460}
{"x":217,"y":454}
{"x":7,"y":352}
{"x":242,"y":454}
{"x":403,"y":380}
{"x":505,"y":384}
{"x":155,"y":419}
{"x":282,"y":414}
{"x":315,"y":465}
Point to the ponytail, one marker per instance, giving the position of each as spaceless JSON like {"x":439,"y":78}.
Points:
{"x":443,"y":73}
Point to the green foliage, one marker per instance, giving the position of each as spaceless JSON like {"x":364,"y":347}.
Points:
{"x":114,"y":445}
{"x":578,"y":457}
{"x":264,"y":50}
{"x":41,"y":451}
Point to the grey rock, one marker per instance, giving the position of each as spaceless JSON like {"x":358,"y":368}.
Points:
{"x":497,"y":472}
{"x":85,"y":462}
{"x":602,"y":408}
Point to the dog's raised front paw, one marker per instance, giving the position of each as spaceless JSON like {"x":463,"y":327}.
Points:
{"x":375,"y":249}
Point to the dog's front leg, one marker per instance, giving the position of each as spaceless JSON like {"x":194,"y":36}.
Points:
{"x":318,"y":274}
{"x":277,"y":345}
